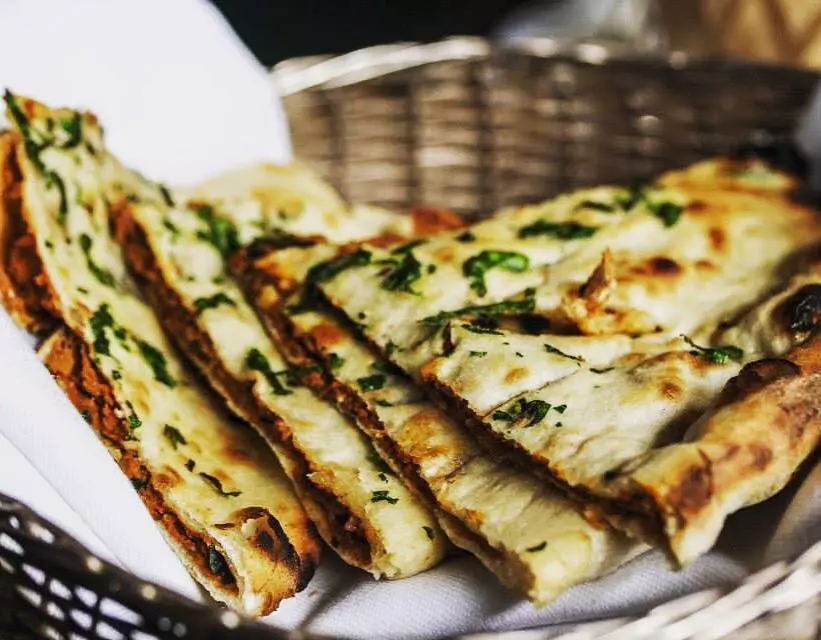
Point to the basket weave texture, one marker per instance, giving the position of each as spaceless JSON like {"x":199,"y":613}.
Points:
{"x":460,"y":125}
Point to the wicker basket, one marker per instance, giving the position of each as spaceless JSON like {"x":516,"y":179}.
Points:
{"x":460,"y":125}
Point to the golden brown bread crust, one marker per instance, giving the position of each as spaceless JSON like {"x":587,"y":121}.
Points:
{"x":23,"y":287}
{"x":335,"y":522}
{"x":68,"y":360}
{"x":767,"y":421}
{"x":249,"y":587}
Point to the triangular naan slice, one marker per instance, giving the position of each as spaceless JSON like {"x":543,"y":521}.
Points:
{"x":179,"y":256}
{"x":530,"y":535}
{"x":214,"y":490}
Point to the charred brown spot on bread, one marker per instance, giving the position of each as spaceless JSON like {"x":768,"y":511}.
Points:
{"x":516,"y":374}
{"x":430,"y":220}
{"x":664,"y":266}
{"x":670,"y":389}
{"x":801,"y":312}
{"x":761,"y":455}
{"x":695,"y":489}
{"x":69,"y":362}
{"x":705,"y":265}
{"x":327,"y":335}
{"x":755,"y":376}
{"x":718,"y":239}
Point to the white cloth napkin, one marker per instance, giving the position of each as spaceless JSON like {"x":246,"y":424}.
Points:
{"x":182,"y":99}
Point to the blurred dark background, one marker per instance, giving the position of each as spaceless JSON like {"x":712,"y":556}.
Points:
{"x":279,"y":29}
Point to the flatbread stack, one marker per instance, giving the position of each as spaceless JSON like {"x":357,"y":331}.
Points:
{"x":553,"y":390}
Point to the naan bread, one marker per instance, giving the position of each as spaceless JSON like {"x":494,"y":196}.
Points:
{"x":181,"y":263}
{"x":695,"y":254}
{"x":214,"y":490}
{"x":531,"y":536}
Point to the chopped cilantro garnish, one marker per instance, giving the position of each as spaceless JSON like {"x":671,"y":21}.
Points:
{"x":175,"y":231}
{"x":404,"y":273}
{"x":100,"y":321}
{"x":378,"y":462}
{"x":404,"y":248}
{"x":476,"y":267}
{"x":335,"y":362}
{"x":324,"y":271}
{"x":428,"y":532}
{"x":668,"y":212}
{"x":217,"y":485}
{"x":190,"y":464}
{"x":166,"y":195}
{"x":220,"y":233}
{"x":604,"y":370}
{"x":595,"y":205}
{"x":383,"y":496}
{"x":211,"y":302}
{"x":156,"y":360}
{"x":538,"y":547}
{"x":523,"y":411}
{"x":384,"y":403}
{"x":218,"y":566}
{"x":372,"y":383}
{"x":255,"y":361}
{"x":560,"y":408}
{"x":467,"y":236}
{"x":506,"y":307}
{"x":475,"y":328}
{"x":100,"y":273}
{"x":173,"y":435}
{"x":560,"y":230}
{"x":717,"y":355}
{"x":73,"y":128}
{"x":478,"y":354}
{"x":138,"y":483}
{"x":553,"y":350}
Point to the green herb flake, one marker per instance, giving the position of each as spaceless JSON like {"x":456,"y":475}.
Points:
{"x":604,"y":207}
{"x":557,"y":352}
{"x":335,"y":362}
{"x":104,"y":276}
{"x":404,"y":274}
{"x":211,"y":302}
{"x":506,"y":307}
{"x":218,"y":232}
{"x":372,"y":383}
{"x":519,"y":354}
{"x":668,"y":212}
{"x":604,"y":370}
{"x":523,"y":412}
{"x":428,"y":532}
{"x":560,"y":408}
{"x":384,"y":403}
{"x":190,"y":464}
{"x":717,"y":355}
{"x":171,"y":227}
{"x":116,"y":375}
{"x":478,"y":354}
{"x":173,"y":436}
{"x":166,"y":195}
{"x":383,"y":496}
{"x":487,"y":331}
{"x":100,"y":321}
{"x":467,"y":236}
{"x":475,"y":268}
{"x":383,"y":477}
{"x":329,"y":269}
{"x":139,"y":483}
{"x":255,"y":361}
{"x":378,"y":462}
{"x":408,"y":246}
{"x":559,"y":230}
{"x":54,"y":179}
{"x":157,"y":362}
{"x":217,"y":485}
{"x":218,"y":566}
{"x":86,"y":415}
{"x":539,"y":547}
{"x":73,"y":129}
